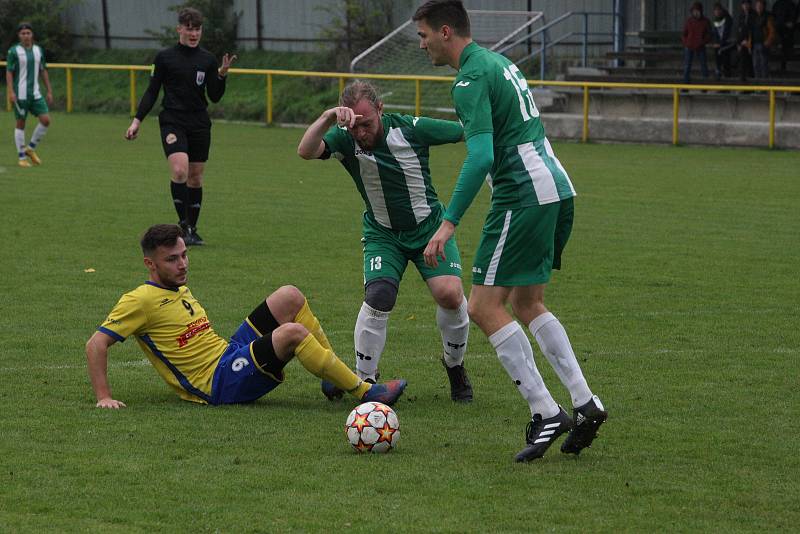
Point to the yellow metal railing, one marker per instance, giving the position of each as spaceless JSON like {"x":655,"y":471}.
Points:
{"x":269,"y":74}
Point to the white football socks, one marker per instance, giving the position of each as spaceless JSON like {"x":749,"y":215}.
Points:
{"x":370,"y":338}
{"x":555,"y":345}
{"x":19,"y":140}
{"x":454,"y":326}
{"x":38,"y":133}
{"x":516,"y":354}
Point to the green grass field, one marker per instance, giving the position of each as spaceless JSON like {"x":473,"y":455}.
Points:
{"x":680,"y":294}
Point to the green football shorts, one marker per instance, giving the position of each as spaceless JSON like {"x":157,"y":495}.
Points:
{"x":387,"y":252}
{"x":520,"y":247}
{"x":35,"y":107}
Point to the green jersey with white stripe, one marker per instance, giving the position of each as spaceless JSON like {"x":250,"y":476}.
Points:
{"x":491,"y":96}
{"x":394,"y":178}
{"x":26,"y":64}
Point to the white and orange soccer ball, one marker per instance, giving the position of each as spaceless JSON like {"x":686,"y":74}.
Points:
{"x":372,"y":427}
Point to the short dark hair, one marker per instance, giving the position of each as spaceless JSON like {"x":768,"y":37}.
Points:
{"x":438,"y":13}
{"x":358,"y":90}
{"x":160,"y":235}
{"x":24,"y":26}
{"x":190,"y":17}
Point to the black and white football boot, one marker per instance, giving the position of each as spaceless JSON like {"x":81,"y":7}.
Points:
{"x":460,"y":386}
{"x":588,"y":419}
{"x":541,"y":433}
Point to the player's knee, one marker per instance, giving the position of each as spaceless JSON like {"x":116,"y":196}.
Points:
{"x":450,"y":298}
{"x":179,"y":174}
{"x":45,"y":121}
{"x":288,"y":336}
{"x":285,"y":303}
{"x":194,"y":180}
{"x":381,"y":294}
{"x":292,"y":298}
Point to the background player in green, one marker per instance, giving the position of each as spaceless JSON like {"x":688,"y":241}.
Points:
{"x":187,"y":72}
{"x":525,"y":231}
{"x":387,"y":155}
{"x":25,"y":62}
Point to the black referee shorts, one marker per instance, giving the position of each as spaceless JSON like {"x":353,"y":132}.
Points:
{"x":186,"y":132}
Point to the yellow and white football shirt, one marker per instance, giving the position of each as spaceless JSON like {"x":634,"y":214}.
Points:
{"x":174,"y":332}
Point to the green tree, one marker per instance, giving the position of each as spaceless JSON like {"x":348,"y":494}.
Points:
{"x":47,"y":19}
{"x":220,"y":25}
{"x":355,"y":26}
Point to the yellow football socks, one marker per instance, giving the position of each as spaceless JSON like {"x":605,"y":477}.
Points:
{"x":307,"y":318}
{"x":322,"y":362}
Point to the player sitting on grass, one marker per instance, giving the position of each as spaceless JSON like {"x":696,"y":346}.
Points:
{"x":174,"y":332}
{"x":25,"y":61}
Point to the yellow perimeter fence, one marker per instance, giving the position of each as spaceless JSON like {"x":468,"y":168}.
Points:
{"x":269,"y":74}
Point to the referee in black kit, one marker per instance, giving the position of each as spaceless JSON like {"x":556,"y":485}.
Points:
{"x":186,"y":71}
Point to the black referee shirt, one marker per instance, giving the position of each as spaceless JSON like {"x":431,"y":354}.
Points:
{"x":186,"y":74}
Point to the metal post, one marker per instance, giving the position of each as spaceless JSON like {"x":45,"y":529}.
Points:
{"x":585,"y":135}
{"x":772,"y":119}
{"x":417,"y":98}
{"x":618,"y":30}
{"x":529,"y":42}
{"x":259,"y":25}
{"x":585,"y":38}
{"x":105,"y":25}
{"x":69,"y":90}
{"x":543,"y":58}
{"x":675,"y":109}
{"x":341,"y":85}
{"x":133,"y":92}
{"x":269,"y":98}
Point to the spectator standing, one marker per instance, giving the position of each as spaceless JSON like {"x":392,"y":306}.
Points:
{"x":722,"y":41}
{"x":696,"y":35}
{"x":785,"y":13}
{"x":744,"y":35}
{"x":763,"y":38}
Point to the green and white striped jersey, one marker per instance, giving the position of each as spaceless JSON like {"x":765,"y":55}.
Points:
{"x":26,"y":64}
{"x":394,"y":179}
{"x":492,"y":96}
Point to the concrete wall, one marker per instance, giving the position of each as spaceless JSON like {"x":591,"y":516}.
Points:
{"x":704,"y":118}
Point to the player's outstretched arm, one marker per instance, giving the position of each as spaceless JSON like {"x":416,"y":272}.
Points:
{"x":311,"y":145}
{"x":97,"y":363}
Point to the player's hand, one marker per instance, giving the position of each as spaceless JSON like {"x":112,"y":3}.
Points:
{"x":435,"y":248}
{"x":49,"y":97}
{"x":345,"y":116}
{"x":12,"y":96}
{"x":108,"y":402}
{"x":227,"y":61}
{"x":133,"y":130}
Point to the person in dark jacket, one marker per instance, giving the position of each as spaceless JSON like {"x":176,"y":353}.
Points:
{"x":744,"y":35}
{"x":188,"y":72}
{"x":722,"y":41}
{"x":763,"y":38}
{"x":785,"y":13}
{"x":696,"y":35}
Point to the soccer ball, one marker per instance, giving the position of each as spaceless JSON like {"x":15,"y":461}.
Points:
{"x":372,"y":427}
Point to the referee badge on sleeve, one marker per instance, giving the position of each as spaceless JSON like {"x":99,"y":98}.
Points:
{"x":201,"y":77}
